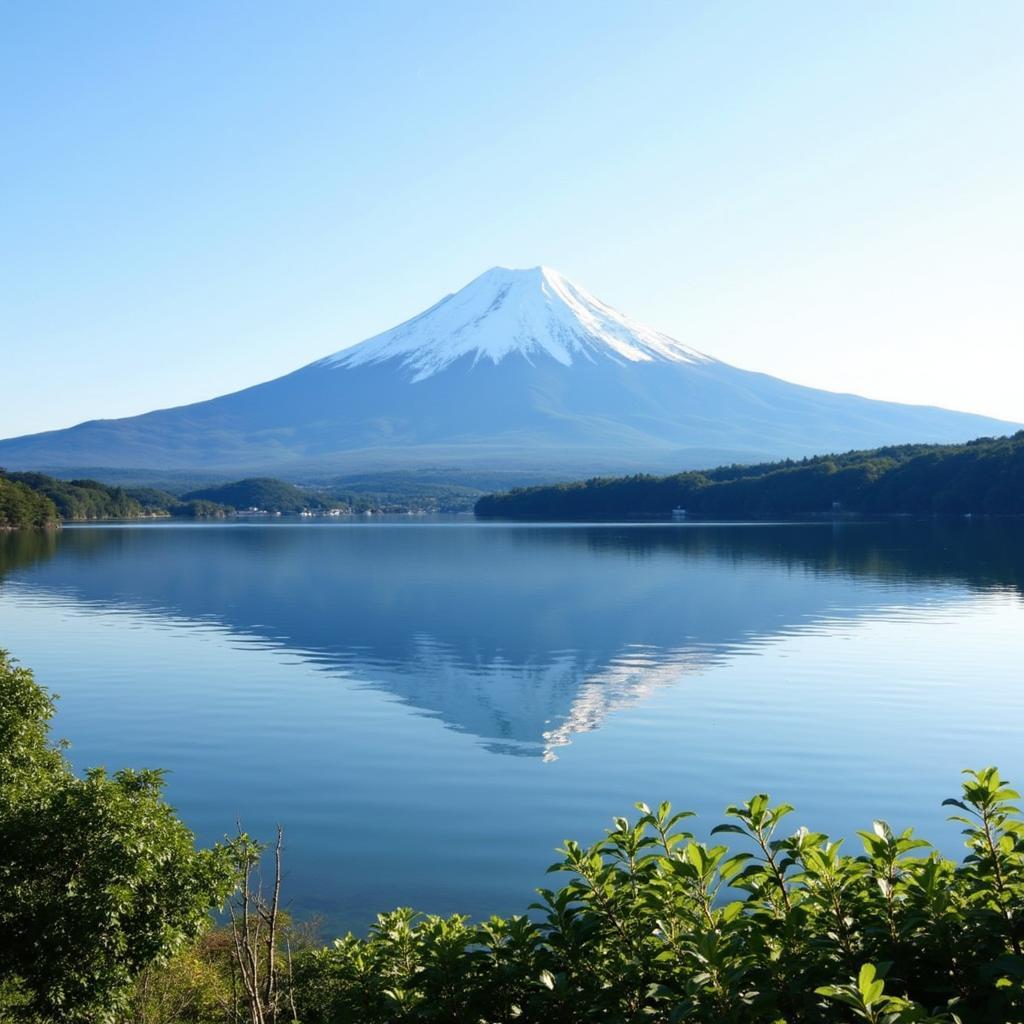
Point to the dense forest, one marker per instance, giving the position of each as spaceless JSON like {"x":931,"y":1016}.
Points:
{"x":80,"y":499}
{"x":55,"y":501}
{"x":984,"y":477}
{"x":107,"y":913}
{"x":264,"y":493}
{"x":21,"y":507}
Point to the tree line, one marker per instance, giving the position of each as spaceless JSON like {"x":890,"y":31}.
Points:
{"x":78,"y":499}
{"x":106,"y":912}
{"x":29,"y":499}
{"x":21,"y":507}
{"x":35,"y":499}
{"x":985,"y":476}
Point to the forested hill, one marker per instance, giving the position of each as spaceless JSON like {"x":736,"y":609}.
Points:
{"x":257,"y":492}
{"x":983,"y":476}
{"x":35,"y":499}
{"x":21,"y":507}
{"x":80,"y":499}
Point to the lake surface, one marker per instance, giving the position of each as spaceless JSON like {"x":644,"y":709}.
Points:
{"x":430,"y":707}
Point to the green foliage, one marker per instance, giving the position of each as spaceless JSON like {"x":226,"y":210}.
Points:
{"x":447,"y":489}
{"x":380,"y":493}
{"x":98,"y":877}
{"x":197,"y":508}
{"x":23,"y":508}
{"x":156,"y":502}
{"x":259,"y":492}
{"x":151,"y":499}
{"x":34,"y":499}
{"x":396,"y":492}
{"x":399,"y":492}
{"x":983,"y":476}
{"x":192,"y":987}
{"x":81,"y":499}
{"x":655,"y":925}
{"x":104,"y":905}
{"x":866,"y":997}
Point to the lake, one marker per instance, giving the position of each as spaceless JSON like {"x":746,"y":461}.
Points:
{"x":430,"y":706}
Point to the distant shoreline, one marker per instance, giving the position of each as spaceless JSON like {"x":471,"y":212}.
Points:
{"x":982,"y":477}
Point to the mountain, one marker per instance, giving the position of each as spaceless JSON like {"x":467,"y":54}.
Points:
{"x":520,"y":369}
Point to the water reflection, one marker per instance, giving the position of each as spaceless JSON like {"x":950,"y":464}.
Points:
{"x":523,"y":636}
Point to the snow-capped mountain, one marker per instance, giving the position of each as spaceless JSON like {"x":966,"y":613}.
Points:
{"x":520,"y":369}
{"x":533,"y":313}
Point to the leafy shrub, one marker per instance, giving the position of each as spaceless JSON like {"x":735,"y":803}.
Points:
{"x":98,"y":877}
{"x":654,"y":925}
{"x":105,"y":908}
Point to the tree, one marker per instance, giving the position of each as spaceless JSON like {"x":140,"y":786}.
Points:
{"x":98,"y":877}
{"x":21,"y":507}
{"x":257,"y":935}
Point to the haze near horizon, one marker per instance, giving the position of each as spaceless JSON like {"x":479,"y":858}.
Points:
{"x":200,"y":199}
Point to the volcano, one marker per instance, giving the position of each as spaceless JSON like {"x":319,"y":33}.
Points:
{"x":520,"y":369}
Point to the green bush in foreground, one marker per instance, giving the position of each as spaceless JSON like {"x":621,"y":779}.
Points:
{"x":98,"y":877}
{"x":105,"y":917}
{"x":656,"y":926}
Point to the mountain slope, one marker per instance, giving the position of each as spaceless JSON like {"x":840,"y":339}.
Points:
{"x":519,"y":369}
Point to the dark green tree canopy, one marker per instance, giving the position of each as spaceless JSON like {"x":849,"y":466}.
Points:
{"x":984,"y":476}
{"x":98,"y":877}
{"x":22,"y":508}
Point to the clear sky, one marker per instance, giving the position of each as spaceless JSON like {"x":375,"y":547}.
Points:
{"x":195,"y":197}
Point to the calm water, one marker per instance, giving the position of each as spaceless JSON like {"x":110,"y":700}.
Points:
{"x":429,"y":708}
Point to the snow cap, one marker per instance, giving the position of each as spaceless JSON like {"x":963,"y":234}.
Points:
{"x":534,"y":312}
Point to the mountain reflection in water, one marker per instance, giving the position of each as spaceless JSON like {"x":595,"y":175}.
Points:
{"x":523,"y":636}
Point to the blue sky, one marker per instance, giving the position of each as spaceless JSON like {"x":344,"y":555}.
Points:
{"x":200,"y":196}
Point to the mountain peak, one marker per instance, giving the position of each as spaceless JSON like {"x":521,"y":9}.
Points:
{"x":534,"y":312}
{"x":585,"y":390}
